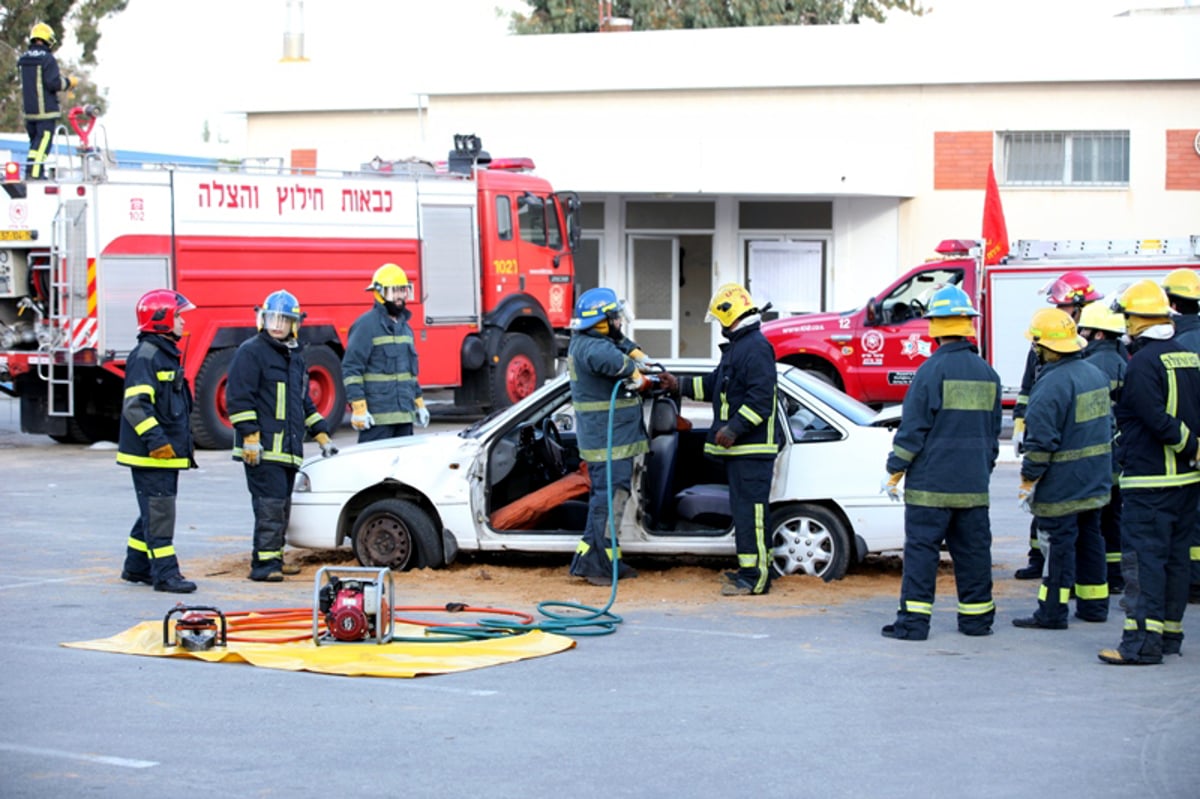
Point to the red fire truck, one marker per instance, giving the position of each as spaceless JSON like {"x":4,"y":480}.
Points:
{"x":873,"y":351}
{"x":487,"y":245}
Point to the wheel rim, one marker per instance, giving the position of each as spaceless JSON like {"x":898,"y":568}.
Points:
{"x":520,"y":379}
{"x":386,"y":541}
{"x":222,"y":405}
{"x":321,"y":390}
{"x":802,"y":544}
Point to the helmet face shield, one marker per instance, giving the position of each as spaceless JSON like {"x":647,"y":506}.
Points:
{"x":395,"y":294}
{"x":279,"y":324}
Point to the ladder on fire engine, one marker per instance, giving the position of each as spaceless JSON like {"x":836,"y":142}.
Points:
{"x":67,"y":272}
{"x":1036,"y":249}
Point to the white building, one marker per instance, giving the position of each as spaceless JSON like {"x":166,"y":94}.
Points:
{"x":813,"y":162}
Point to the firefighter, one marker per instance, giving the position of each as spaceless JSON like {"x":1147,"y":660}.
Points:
{"x":380,"y":365}
{"x":945,"y":450}
{"x":598,"y":357}
{"x":745,"y":433}
{"x":269,"y":406}
{"x":1070,"y":292}
{"x":41,"y":81}
{"x":1183,"y":292}
{"x":1066,"y":473}
{"x":1159,"y":417}
{"x":155,"y":439}
{"x":1102,"y":329}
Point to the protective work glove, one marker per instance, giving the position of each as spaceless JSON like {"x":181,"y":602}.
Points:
{"x":327,"y":447}
{"x":638,"y":382}
{"x":1018,"y":436}
{"x":72,"y":82}
{"x":163,"y":453}
{"x":360,"y":419}
{"x":252,"y":449}
{"x":891,"y":487}
{"x":725,"y":438}
{"x":640,"y":358}
{"x":1025,"y":495}
{"x":422,"y":413}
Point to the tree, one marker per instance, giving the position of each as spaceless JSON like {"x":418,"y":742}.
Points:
{"x":582,"y":16}
{"x":79,"y":16}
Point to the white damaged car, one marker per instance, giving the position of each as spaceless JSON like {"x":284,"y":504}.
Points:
{"x":417,"y":501}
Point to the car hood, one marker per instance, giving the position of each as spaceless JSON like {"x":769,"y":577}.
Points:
{"x":419,"y":461}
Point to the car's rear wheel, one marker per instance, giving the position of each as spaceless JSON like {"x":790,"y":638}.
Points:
{"x":809,"y":539}
{"x":396,"y":534}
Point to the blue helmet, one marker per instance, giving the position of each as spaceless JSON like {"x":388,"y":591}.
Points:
{"x":595,"y":306}
{"x":280,"y":307}
{"x":950,"y":301}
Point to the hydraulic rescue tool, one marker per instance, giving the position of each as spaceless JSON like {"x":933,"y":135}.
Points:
{"x":196,"y":628}
{"x":355,"y":609}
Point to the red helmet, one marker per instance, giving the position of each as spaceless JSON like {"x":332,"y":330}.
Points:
{"x":1073,"y":288}
{"x":156,"y":310}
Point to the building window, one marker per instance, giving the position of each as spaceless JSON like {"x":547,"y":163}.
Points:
{"x":1066,"y":158}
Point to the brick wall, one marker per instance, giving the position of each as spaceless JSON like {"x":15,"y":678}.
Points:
{"x":961,"y":158}
{"x":1183,"y":162}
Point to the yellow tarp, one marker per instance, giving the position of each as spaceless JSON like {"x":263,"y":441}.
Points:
{"x":397,"y":659}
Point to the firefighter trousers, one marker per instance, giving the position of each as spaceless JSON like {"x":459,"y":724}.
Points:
{"x":1157,"y":529}
{"x":967,"y":533}
{"x":270,"y":487}
{"x":1075,"y":563}
{"x":150,"y":550}
{"x":1110,"y":530}
{"x":749,"y":498}
{"x":595,"y":552}
{"x":41,"y":139}
{"x":379,"y":432}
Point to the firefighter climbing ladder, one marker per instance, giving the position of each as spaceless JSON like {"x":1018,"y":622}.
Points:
{"x":66,"y":273}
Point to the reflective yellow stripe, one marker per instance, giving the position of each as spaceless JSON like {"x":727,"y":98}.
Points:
{"x":740,"y":449}
{"x":377,"y":340}
{"x":913,"y":606}
{"x":1172,"y":626}
{"x":353,"y":381}
{"x":618,"y":453}
{"x":1130,"y":624}
{"x":1064,"y":594}
{"x":1055,"y":509}
{"x":1160,"y":480}
{"x":1091,"y":591}
{"x":134,"y":391}
{"x":243,"y":416}
{"x":1194,"y":552}
{"x":269,"y":554}
{"x":146,"y":462}
{"x":941,"y":499}
{"x":393,"y":417}
{"x":723,"y":410}
{"x":394,"y":377}
{"x":313,"y":419}
{"x":1112,"y":557}
{"x":162,"y":552}
{"x":1064,"y":455}
{"x":976,"y":608}
{"x":1094,"y":404}
{"x":903,"y":454}
{"x":1184,"y":432}
{"x":165,"y":377}
{"x":142,"y":427}
{"x":748,"y":413}
{"x":698,"y":388}
{"x":760,"y":540}
{"x":134,"y":544}
{"x":583,"y":547}
{"x":968,"y":395}
{"x":747,"y":561}
{"x":1154,"y":626}
{"x":281,"y":400}
{"x":589,"y":407}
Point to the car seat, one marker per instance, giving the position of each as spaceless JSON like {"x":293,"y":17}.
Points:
{"x":660,"y":463}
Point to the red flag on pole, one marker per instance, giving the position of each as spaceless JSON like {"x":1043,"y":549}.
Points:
{"x":995,"y":231}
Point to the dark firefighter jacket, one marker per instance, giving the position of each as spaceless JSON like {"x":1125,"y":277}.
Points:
{"x":1187,"y":331}
{"x":40,"y":82}
{"x":268,"y":393}
{"x":595,"y":363}
{"x":381,"y":367}
{"x":949,"y":433}
{"x":156,"y":407}
{"x":1068,"y":438}
{"x":742,"y":390}
{"x":1159,"y":416}
{"x":1108,"y":356}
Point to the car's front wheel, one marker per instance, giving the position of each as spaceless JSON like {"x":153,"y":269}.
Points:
{"x":809,"y":539}
{"x":396,"y":534}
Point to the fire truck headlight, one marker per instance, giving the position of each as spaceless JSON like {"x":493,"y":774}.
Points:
{"x":303,"y":485}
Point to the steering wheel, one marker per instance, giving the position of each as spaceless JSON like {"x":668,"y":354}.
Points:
{"x":551,"y":449}
{"x":917,"y":307}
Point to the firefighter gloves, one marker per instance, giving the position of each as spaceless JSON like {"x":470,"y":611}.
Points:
{"x":1025,"y":495}
{"x":891,"y":487}
{"x":360,"y":418}
{"x":327,"y":447}
{"x":163,"y":453}
{"x":638,"y":381}
{"x":1018,"y":436}
{"x":422,"y":413}
{"x":252,"y":449}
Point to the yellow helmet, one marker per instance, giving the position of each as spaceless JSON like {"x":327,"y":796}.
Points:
{"x":730,"y":303}
{"x":1054,"y":329}
{"x":44,"y":32}
{"x":1096,"y":317}
{"x":1143,"y":298}
{"x":387,"y":276}
{"x":1183,"y":283}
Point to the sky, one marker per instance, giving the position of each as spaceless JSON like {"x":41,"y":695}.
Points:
{"x":170,"y":68}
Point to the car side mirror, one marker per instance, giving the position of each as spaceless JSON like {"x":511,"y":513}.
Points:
{"x":873,"y":310}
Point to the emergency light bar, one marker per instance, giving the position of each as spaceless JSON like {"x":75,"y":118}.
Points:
{"x":956,"y":247}
{"x":512,"y":164}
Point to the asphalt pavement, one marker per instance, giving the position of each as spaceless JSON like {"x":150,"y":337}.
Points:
{"x":721,"y":700}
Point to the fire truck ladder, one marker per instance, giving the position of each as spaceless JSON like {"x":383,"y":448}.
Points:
{"x":1092,"y":248}
{"x":66,"y":292}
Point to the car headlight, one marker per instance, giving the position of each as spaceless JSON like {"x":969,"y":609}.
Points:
{"x":302,"y":484}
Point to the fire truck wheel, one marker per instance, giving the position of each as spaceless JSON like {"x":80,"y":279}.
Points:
{"x":325,"y":386}
{"x":210,"y":416}
{"x":519,"y":372}
{"x":397,"y":534}
{"x":810,"y":539}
